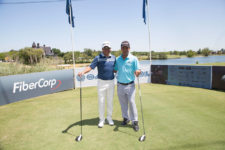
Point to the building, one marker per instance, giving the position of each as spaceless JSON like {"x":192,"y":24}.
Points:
{"x":47,"y":49}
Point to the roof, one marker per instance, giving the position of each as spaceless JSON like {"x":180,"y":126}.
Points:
{"x":48,"y":51}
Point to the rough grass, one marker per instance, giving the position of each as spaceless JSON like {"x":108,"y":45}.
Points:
{"x":12,"y":68}
{"x":176,"y":118}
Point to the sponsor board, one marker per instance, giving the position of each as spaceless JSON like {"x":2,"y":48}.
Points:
{"x":194,"y":76}
{"x":18,"y":87}
{"x":218,"y":77}
{"x":90,"y":79}
{"x":159,"y":74}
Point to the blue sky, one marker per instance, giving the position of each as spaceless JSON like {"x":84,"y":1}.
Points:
{"x":175,"y":24}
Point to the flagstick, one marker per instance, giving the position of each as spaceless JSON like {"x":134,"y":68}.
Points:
{"x":150,"y":52}
{"x":72,"y":39}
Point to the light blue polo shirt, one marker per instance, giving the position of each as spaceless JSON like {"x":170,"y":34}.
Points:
{"x":126,"y":67}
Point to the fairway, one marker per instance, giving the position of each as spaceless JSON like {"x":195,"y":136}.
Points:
{"x":176,"y":118}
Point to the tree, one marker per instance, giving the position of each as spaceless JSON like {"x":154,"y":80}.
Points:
{"x":116,"y":53}
{"x":199,"y":51}
{"x":13,"y":55}
{"x":31,"y":55}
{"x":56,"y":51}
{"x":222,"y":50}
{"x":154,"y":55}
{"x":68,"y":57}
{"x":162,"y":55}
{"x":183,"y":53}
{"x":175,"y":52}
{"x":76,"y":54}
{"x":3,"y":56}
{"x":219,"y":52}
{"x":88,"y":52}
{"x":206,"y":52}
{"x":190,"y":53}
{"x":61,"y":54}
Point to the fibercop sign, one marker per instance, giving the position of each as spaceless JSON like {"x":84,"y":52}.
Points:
{"x":23,"y":86}
{"x":18,"y":87}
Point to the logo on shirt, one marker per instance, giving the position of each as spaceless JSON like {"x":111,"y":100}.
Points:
{"x":106,"y":59}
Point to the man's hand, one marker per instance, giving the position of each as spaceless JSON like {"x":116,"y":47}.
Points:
{"x":137,"y":73}
{"x":86,"y":70}
{"x":80,"y":74}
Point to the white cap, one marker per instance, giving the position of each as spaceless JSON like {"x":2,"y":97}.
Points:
{"x":104,"y":44}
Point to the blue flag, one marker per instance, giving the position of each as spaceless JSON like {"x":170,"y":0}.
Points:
{"x":68,"y":8}
{"x":145,"y":3}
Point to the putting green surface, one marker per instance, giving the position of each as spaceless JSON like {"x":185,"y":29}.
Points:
{"x":176,"y":118}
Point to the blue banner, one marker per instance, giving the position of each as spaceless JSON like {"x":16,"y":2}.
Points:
{"x":194,"y":76}
{"x":18,"y":87}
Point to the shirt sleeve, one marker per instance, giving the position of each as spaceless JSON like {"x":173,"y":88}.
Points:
{"x":115,"y":66}
{"x":136,"y":64}
{"x":94,"y":63}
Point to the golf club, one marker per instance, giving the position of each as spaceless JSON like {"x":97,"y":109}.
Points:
{"x":143,"y":137}
{"x":79,"y":138}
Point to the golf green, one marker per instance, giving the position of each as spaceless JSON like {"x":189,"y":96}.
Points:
{"x":176,"y":118}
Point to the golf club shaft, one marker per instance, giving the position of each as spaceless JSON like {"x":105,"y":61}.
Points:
{"x":139,"y":90}
{"x":81,"y":122}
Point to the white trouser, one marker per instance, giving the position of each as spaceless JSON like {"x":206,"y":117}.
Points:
{"x":105,"y":89}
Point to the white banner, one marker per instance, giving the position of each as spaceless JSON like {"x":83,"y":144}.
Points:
{"x":90,"y":79}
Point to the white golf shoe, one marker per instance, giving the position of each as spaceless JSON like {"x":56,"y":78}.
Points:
{"x":101,"y":124}
{"x":110,"y":121}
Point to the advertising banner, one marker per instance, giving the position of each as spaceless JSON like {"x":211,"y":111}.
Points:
{"x":90,"y":79}
{"x":218,"y":81}
{"x":18,"y":87}
{"x":194,"y":76}
{"x":159,"y":74}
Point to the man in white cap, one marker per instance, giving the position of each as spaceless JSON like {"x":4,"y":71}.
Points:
{"x":105,"y":63}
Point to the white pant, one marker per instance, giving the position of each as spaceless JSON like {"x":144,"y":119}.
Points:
{"x":105,"y":89}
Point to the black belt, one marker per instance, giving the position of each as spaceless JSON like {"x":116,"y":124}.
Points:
{"x":126,"y":83}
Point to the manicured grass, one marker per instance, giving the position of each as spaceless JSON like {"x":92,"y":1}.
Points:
{"x":213,"y":64}
{"x":176,"y":118}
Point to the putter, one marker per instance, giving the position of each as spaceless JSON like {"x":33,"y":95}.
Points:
{"x":79,"y":138}
{"x":143,"y":137}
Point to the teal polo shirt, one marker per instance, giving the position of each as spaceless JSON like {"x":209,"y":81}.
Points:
{"x":126,"y":67}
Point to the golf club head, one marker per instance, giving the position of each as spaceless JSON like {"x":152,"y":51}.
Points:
{"x":64,"y":131}
{"x":78,"y":138}
{"x":142,"y":138}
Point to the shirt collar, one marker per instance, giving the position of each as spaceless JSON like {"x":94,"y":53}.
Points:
{"x":105,"y":56}
{"x":128,"y":56}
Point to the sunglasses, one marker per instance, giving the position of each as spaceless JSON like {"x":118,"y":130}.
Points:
{"x":106,"y":48}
